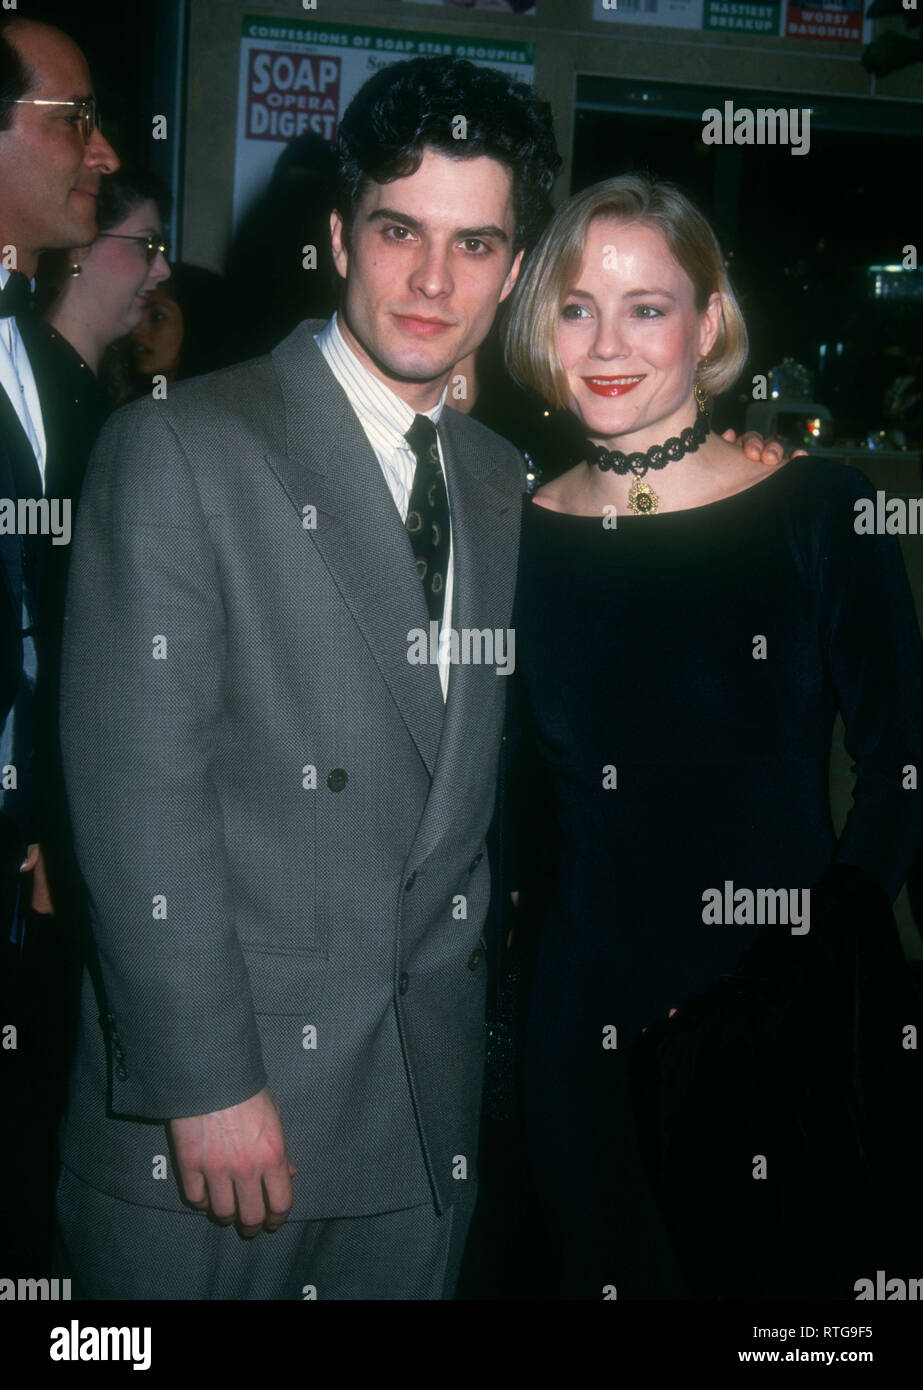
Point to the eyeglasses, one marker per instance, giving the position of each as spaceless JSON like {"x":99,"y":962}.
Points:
{"x":87,"y":108}
{"x":153,"y":246}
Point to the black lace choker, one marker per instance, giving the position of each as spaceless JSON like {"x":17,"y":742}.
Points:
{"x":657,"y":456}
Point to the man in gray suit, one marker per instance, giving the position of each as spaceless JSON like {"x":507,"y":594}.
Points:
{"x":279,"y":779}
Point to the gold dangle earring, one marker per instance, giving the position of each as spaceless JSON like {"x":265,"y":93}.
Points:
{"x":75,"y":270}
{"x":702,"y":398}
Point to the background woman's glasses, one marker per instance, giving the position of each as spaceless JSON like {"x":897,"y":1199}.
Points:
{"x":153,"y":246}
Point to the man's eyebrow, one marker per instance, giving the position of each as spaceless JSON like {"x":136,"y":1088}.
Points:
{"x":496,"y":233}
{"x":74,"y":99}
{"x":415,"y":225}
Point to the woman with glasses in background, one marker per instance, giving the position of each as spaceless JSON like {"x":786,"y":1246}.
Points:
{"x":101,"y":293}
{"x":98,"y":294}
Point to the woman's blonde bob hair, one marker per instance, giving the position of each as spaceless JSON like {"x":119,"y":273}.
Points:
{"x":530,"y":336}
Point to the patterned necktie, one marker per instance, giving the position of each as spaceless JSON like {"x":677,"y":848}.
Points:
{"x":428,"y":515}
{"x":16,"y":295}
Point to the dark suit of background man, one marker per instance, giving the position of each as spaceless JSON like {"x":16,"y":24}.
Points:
{"x":279,"y":816}
{"x":50,"y":170}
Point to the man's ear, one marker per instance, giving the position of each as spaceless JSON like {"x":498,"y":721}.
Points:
{"x":338,"y":241}
{"x":513,"y":276}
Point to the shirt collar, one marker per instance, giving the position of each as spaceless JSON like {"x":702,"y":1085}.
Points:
{"x":371,"y":399}
{"x":5,"y":275}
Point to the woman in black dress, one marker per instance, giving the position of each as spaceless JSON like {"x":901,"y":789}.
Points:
{"x":687,"y":627}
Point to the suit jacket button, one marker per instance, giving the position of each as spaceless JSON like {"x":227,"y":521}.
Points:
{"x":403,"y":983}
{"x":410,"y":882}
{"x":474,"y":960}
{"x":337,"y":779}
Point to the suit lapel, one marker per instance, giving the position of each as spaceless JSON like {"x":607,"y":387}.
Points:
{"x":26,"y":477}
{"x":484,"y":539}
{"x":23,"y":479}
{"x":327,"y":463}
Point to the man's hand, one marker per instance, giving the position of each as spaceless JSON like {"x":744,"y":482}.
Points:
{"x":756,"y":448}
{"x":34,"y":863}
{"x":233,"y":1164}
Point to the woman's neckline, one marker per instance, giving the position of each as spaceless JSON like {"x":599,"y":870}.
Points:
{"x":597,"y":517}
{"x":58,"y":337}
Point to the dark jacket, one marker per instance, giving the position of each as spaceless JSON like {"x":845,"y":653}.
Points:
{"x":20,"y":585}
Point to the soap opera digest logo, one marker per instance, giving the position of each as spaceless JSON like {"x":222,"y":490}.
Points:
{"x":291,"y":93}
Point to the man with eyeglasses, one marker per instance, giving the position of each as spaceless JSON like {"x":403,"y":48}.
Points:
{"x":52,"y":158}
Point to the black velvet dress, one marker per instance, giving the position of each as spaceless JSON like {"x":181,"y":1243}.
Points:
{"x":678,"y":678}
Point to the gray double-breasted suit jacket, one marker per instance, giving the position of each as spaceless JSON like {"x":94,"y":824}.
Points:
{"x":280,"y":823}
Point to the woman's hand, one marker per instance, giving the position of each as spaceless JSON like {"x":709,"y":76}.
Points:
{"x":514,"y":899}
{"x":34,"y":863}
{"x":759,"y":450}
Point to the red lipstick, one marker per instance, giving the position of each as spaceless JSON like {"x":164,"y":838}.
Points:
{"x":612,"y":385}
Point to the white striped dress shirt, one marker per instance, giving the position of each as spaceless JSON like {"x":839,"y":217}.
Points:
{"x":386,"y":419}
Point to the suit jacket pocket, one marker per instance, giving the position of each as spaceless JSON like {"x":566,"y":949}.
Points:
{"x":285,"y":982}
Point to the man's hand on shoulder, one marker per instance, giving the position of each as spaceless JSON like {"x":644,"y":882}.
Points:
{"x":233,"y":1164}
{"x":761,"y":450}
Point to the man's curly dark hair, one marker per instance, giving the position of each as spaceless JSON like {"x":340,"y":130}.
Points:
{"x":407,"y":108}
